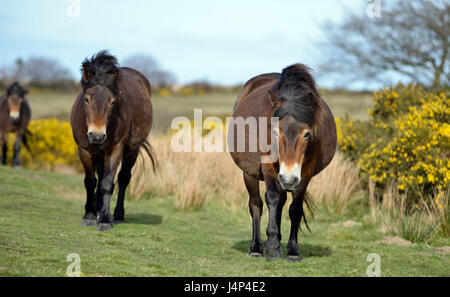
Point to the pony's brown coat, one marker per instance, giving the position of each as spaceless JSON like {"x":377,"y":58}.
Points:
{"x":260,"y":97}
{"x":17,"y":102}
{"x":253,"y":101}
{"x":128,"y":124}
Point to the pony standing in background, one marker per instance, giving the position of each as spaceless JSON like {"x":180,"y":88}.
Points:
{"x":15,"y":115}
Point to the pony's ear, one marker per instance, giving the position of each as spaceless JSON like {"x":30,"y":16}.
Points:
{"x":116,"y":74}
{"x":87,"y":75}
{"x":273,"y":98}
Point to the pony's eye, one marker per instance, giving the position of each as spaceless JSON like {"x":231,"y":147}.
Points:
{"x":86,"y":100}
{"x":307,"y":135}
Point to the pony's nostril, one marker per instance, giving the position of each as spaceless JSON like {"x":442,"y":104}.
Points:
{"x":96,"y":138}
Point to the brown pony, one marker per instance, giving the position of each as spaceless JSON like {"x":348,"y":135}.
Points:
{"x":15,"y":115}
{"x":111,"y":119}
{"x":306,"y":138}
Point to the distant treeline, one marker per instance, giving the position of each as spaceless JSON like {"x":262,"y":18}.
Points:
{"x":38,"y":72}
{"x":43,"y":73}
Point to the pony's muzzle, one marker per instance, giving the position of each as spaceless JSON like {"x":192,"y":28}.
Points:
{"x":96,"y":138}
{"x":289,"y":179}
{"x":14,"y":116}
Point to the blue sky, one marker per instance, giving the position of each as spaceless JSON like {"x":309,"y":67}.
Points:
{"x":223,"y":41}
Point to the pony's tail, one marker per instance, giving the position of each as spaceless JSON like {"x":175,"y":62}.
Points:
{"x":311,"y":207}
{"x":150,"y":151}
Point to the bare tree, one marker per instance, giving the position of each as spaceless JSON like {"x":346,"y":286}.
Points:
{"x":148,"y":66}
{"x":37,"y":71}
{"x":163,"y":78}
{"x":41,"y":71}
{"x":410,"y":39}
{"x":14,"y":71}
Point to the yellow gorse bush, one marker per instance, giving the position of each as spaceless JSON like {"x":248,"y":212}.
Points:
{"x":51,"y":145}
{"x":396,"y":100}
{"x":406,"y":143}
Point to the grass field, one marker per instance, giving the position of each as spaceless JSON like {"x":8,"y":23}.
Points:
{"x":40,"y":219}
{"x":214,"y":104}
{"x":40,"y":225}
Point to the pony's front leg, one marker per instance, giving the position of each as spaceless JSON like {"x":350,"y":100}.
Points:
{"x":273,"y":247}
{"x":107,"y":184}
{"x":16,"y":156}
{"x":296,"y":214}
{"x":4,"y":144}
{"x":90,"y":216}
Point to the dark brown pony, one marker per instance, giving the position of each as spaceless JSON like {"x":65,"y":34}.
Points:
{"x":15,"y":115}
{"x":306,"y":137}
{"x":111,"y":119}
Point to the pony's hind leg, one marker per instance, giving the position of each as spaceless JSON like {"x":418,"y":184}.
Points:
{"x":99,"y":195}
{"x":256,"y":207}
{"x":90,"y":216}
{"x":124,"y":180}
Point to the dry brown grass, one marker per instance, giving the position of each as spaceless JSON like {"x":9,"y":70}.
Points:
{"x":417,"y":223}
{"x":338,"y":187}
{"x":193,"y":179}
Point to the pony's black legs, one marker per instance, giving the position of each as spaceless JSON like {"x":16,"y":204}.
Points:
{"x":4,"y":142}
{"x":256,"y":206}
{"x":295,"y":214}
{"x":90,"y":217}
{"x":272,"y":245}
{"x":111,"y":164}
{"x":99,"y":195}
{"x":283,"y":198}
{"x":16,"y":156}
{"x":124,"y":180}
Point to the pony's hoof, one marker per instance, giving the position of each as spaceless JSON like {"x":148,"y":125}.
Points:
{"x":104,"y":227}
{"x":273,"y":254}
{"x":292,"y":259}
{"x":255,"y":255}
{"x":89,"y":223}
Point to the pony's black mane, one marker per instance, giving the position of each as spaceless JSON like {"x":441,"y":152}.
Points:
{"x":297,"y":91}
{"x":101,"y":69}
{"x":16,"y":89}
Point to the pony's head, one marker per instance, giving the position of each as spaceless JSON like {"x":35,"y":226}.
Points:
{"x":16,"y":94}
{"x":99,"y":82}
{"x":293,"y":99}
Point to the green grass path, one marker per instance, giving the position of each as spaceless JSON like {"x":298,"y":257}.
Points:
{"x":40,"y":225}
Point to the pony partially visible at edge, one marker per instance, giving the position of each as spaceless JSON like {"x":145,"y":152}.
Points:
{"x":15,"y":115}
